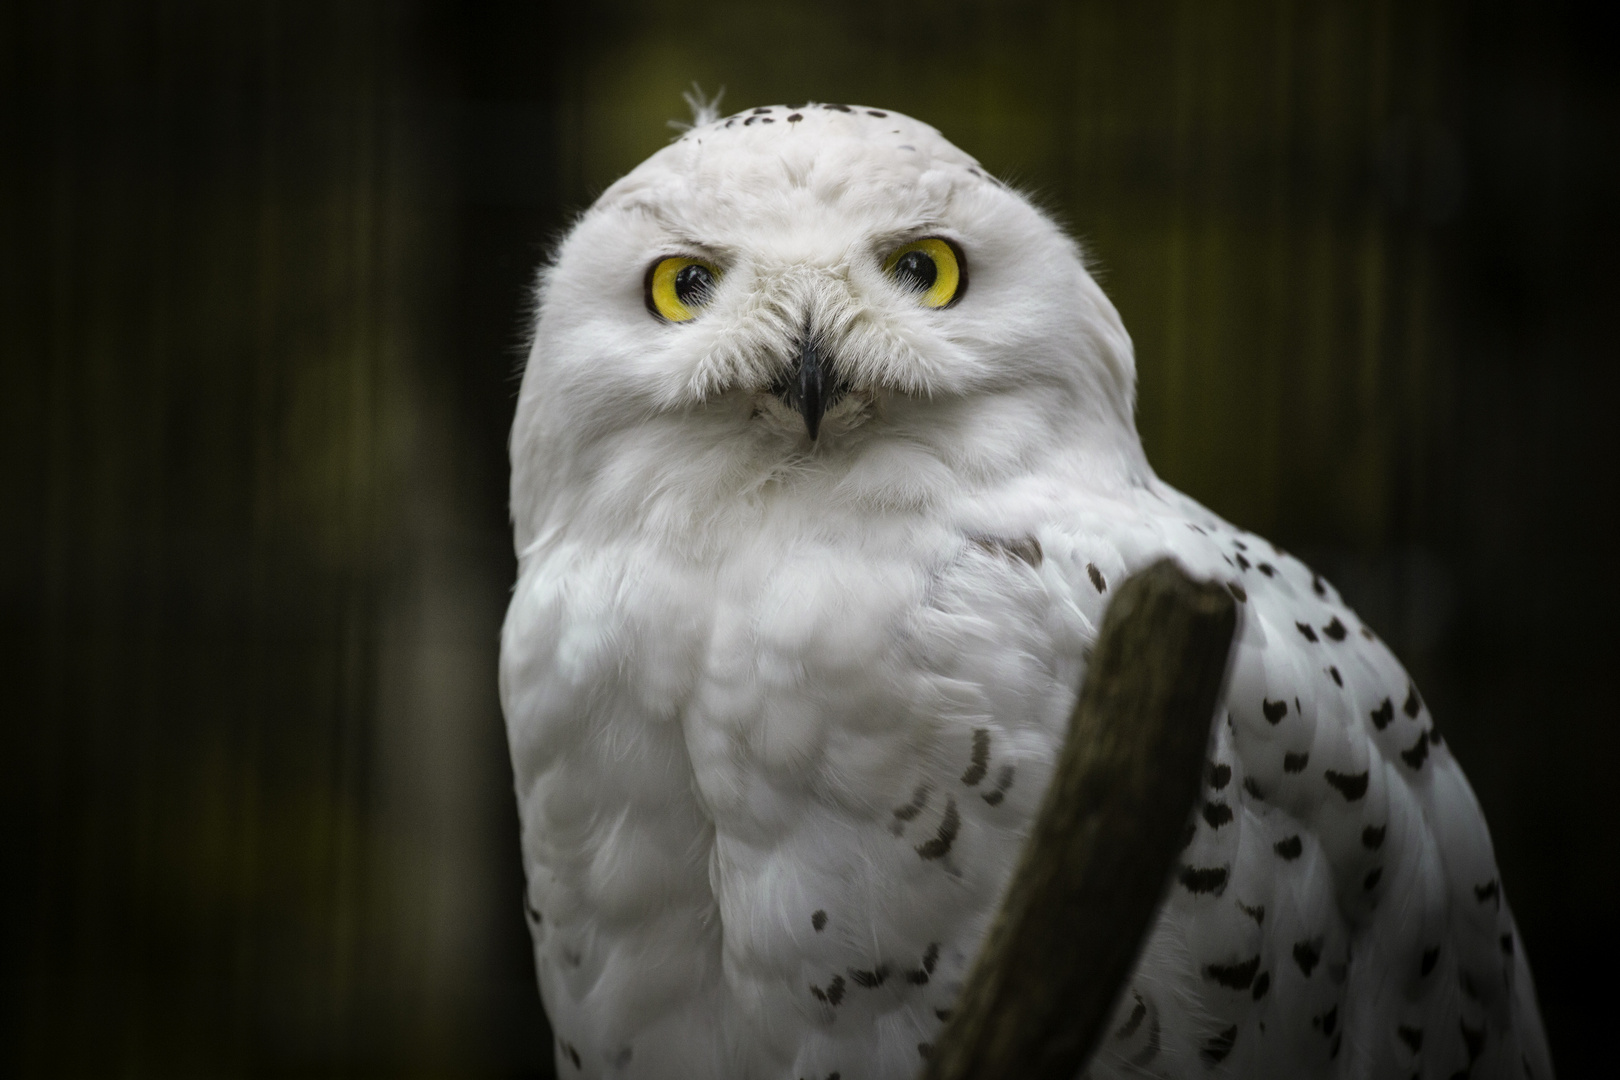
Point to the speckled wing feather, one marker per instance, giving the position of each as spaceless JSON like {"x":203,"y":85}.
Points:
{"x":1337,"y":910}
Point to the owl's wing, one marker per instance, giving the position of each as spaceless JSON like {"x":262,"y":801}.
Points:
{"x":1337,"y":909}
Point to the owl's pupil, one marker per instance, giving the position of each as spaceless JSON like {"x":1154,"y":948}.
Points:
{"x":693,"y":283}
{"x":916,"y":270}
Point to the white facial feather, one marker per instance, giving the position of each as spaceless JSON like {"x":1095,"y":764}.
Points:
{"x":799,"y":214}
{"x":781,"y":708}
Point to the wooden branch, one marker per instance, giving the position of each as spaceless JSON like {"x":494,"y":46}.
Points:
{"x":1104,"y":843}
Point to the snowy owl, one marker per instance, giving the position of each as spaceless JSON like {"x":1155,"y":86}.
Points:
{"x":823,"y":468}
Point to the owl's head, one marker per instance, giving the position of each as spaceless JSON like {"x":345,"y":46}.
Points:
{"x":826,"y":302}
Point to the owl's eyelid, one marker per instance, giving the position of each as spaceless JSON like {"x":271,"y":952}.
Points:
{"x":695,"y":255}
{"x":680,"y":246}
{"x":888,"y":245}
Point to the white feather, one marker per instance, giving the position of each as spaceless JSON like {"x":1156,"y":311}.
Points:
{"x":780,"y":711}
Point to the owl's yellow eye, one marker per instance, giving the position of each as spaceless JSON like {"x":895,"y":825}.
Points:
{"x":679,"y":285}
{"x":932,"y":268}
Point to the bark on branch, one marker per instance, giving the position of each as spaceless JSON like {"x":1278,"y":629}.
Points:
{"x":1104,"y":843}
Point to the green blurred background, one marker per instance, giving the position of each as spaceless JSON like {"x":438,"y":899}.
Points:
{"x":263,"y":275}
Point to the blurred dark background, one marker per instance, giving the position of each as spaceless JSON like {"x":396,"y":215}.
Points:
{"x":263,"y":274}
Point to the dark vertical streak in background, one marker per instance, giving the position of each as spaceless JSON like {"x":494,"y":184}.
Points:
{"x":263,"y":273}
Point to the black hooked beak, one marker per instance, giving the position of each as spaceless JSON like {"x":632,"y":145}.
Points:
{"x":812,"y":387}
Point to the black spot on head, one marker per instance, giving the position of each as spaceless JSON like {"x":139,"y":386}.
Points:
{"x":1316,"y":585}
{"x":940,"y":845}
{"x":925,"y":1050}
{"x":1253,"y":788}
{"x":1240,"y":545}
{"x":818,"y":920}
{"x":837,"y":108}
{"x":762,"y":110}
{"x":794,"y":118}
{"x":1307,"y":631}
{"x":573,"y":1054}
{"x":1274,"y":710}
{"x":1097,"y":580}
{"x":944,"y":1015}
{"x":1414,"y":704}
{"x":835,"y":990}
{"x":1417,"y":753}
{"x":1238,"y":592}
{"x":1507,"y":944}
{"x":1426,"y":965}
{"x":1199,"y":880}
{"x":876,"y":113}
{"x":766,"y":120}
{"x":1267,"y":569}
{"x":1372,"y":837}
{"x":1330,"y":1020}
{"x":1295,"y":762}
{"x":1351,"y":785}
{"x":1217,"y":1046}
{"x":530,"y":910}
{"x":1262,"y":984}
{"x":1491,"y":890}
{"x":1335,"y":630}
{"x":1307,"y":954}
{"x":1382,"y":715}
{"x":1434,"y":736}
{"x":1411,"y":1036}
{"x":1289,"y":848}
{"x":1370,"y":882}
{"x":1368,"y":634}
{"x":981,"y":757}
{"x":1236,"y":976}
{"x":750,"y":120}
{"x":1337,"y":678}
{"x":1217,"y":814}
{"x":1258,"y":913}
{"x":1218,"y":776}
{"x":1242,"y":562}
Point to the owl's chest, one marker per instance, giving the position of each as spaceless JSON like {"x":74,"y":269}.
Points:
{"x":805,"y":768}
{"x":847,"y":675}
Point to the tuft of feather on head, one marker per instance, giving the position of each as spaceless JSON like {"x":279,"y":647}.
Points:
{"x":705,"y":110}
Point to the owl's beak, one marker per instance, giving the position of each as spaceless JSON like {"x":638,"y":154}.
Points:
{"x":811,"y":387}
